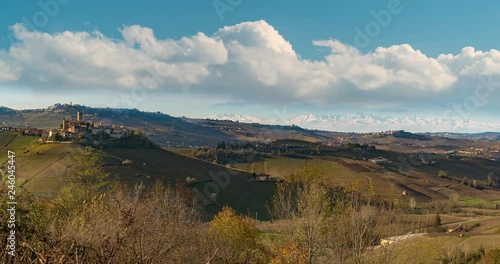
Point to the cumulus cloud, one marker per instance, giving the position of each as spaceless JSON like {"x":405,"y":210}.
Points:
{"x":83,"y":59}
{"x":197,"y":49}
{"x":470,"y":62}
{"x":396,"y":65}
{"x":250,"y":60}
{"x":7,"y":72}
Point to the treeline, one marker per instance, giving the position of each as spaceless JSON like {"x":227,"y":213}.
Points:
{"x":133,"y":139}
{"x":244,"y":152}
{"x":358,"y":147}
{"x":491,"y":181}
{"x":224,"y":153}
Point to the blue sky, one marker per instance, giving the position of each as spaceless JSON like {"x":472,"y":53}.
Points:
{"x":276,"y":61}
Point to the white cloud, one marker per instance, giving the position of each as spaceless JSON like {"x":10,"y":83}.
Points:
{"x":7,"y":73}
{"x":83,"y":59}
{"x":259,"y":35}
{"x":250,"y":61}
{"x":470,"y":62}
{"x":396,"y":65}
{"x":198,"y":48}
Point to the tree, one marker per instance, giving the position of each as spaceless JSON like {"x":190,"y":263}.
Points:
{"x":235,"y":238}
{"x":412,"y":203}
{"x":304,"y":201}
{"x":437,"y":222}
{"x":311,"y":222}
{"x":221,"y":145}
{"x":442,"y":174}
{"x":491,"y":180}
{"x":85,"y":179}
{"x":289,"y":253}
{"x":318,"y":150}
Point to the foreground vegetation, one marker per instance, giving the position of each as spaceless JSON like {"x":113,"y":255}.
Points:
{"x":98,"y":211}
{"x":94,"y":219}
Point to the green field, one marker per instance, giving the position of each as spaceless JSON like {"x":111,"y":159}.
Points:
{"x":345,"y":173}
{"x":42,"y":171}
{"x":14,"y":142}
{"x":40,"y":168}
{"x":487,"y":235}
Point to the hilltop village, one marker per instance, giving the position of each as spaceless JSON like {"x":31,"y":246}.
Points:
{"x":79,"y":128}
{"x":72,"y":130}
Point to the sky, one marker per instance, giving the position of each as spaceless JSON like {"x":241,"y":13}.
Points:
{"x":360,"y":66}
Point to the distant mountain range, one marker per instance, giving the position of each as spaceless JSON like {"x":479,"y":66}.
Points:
{"x":172,"y":131}
{"x":474,"y":136}
{"x":362,"y":122}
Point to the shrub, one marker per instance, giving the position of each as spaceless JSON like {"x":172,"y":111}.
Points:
{"x":457,"y":255}
{"x":289,"y":253}
{"x":492,"y":256}
{"x":236,"y":238}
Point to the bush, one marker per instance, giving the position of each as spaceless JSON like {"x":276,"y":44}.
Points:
{"x":492,"y":256}
{"x":457,"y":255}
{"x":236,"y":238}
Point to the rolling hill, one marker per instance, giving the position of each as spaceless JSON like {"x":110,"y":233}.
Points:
{"x":41,"y":169}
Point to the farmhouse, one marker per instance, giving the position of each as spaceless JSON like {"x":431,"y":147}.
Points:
{"x":264,"y":178}
{"x":380,"y":160}
{"x":458,"y":229}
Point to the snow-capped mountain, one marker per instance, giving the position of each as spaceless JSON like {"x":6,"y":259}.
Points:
{"x":365,"y":123}
{"x":238,"y":117}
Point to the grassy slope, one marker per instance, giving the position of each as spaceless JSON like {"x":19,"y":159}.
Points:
{"x":435,"y":245}
{"x":420,"y":182}
{"x":14,"y":142}
{"x":149,"y":165}
{"x":43,"y":169}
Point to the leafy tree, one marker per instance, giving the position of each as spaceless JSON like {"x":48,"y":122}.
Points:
{"x":84,"y":180}
{"x":236,"y":238}
{"x":221,"y":145}
{"x":318,"y":150}
{"x":289,"y":253}
{"x":437,"y":221}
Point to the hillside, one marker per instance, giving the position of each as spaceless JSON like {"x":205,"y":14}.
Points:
{"x":169,"y":131}
{"x":231,"y":187}
{"x":16,"y":143}
{"x":41,"y":169}
{"x":416,"y":159}
{"x":162,"y":129}
{"x":404,"y":176}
